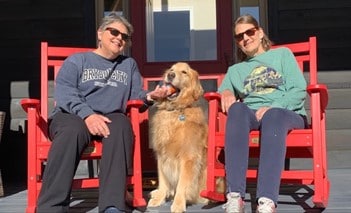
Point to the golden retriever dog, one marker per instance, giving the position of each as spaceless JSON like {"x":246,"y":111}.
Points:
{"x":179,"y":140}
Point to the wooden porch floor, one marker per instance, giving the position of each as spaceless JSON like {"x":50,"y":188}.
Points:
{"x":291,"y":199}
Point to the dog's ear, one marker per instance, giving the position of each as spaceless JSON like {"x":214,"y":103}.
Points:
{"x":198,"y":90}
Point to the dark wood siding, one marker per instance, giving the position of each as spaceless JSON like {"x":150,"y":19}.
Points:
{"x":330,"y":21}
{"x":23,"y":25}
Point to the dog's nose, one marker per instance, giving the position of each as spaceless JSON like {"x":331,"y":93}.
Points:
{"x":170,"y":76}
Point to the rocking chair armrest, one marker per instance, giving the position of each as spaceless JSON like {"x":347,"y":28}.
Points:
{"x":322,"y":90}
{"x":212,"y":96}
{"x":27,"y":103}
{"x":214,"y":103}
{"x":134,"y":104}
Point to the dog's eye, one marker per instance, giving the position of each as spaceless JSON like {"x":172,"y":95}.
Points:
{"x":184,"y":72}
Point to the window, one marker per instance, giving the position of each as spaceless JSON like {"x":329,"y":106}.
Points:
{"x":181,"y":30}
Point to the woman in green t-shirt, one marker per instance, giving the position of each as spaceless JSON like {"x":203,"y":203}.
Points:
{"x":265,"y":91}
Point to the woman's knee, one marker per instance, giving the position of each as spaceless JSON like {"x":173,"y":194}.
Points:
{"x":119,"y":119}
{"x":274,"y":114}
{"x":64,"y":123}
{"x":239,"y":112}
{"x":121,"y":133}
{"x":78,"y":128}
{"x":283,"y":118}
{"x":238,"y":108}
{"x":120,"y":124}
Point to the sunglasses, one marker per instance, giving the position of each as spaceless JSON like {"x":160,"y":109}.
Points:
{"x":250,"y":32}
{"x":116,"y":33}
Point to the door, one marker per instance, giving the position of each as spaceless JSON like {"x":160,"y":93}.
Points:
{"x":195,"y":31}
{"x":166,"y":31}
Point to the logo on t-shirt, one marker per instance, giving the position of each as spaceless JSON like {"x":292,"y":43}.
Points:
{"x":262,"y":80}
{"x":103,"y":78}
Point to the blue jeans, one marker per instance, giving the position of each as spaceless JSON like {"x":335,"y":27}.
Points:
{"x":273,"y":127}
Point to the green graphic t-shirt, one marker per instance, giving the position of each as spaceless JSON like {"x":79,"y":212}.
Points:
{"x":271,"y":79}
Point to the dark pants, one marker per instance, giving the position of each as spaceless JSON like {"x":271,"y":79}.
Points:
{"x":70,"y":136}
{"x":273,"y":127}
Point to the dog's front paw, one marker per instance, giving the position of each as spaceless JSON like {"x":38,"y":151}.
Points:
{"x":179,"y":205}
{"x":157,"y":198}
{"x":176,"y":208}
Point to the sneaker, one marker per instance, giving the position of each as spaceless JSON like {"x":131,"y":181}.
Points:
{"x":112,"y":209}
{"x":235,"y":203}
{"x":265,"y":205}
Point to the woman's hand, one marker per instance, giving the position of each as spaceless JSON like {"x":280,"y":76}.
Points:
{"x":97,"y":125}
{"x":227,"y":99}
{"x":157,"y":93}
{"x":260,"y":112}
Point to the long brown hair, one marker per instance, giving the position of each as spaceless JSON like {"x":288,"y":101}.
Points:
{"x":249,"y":19}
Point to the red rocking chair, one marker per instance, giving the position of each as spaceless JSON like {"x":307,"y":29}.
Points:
{"x":39,"y":143}
{"x":301,"y":143}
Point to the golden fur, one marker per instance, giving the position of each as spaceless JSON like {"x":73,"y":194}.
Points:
{"x":179,"y":138}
